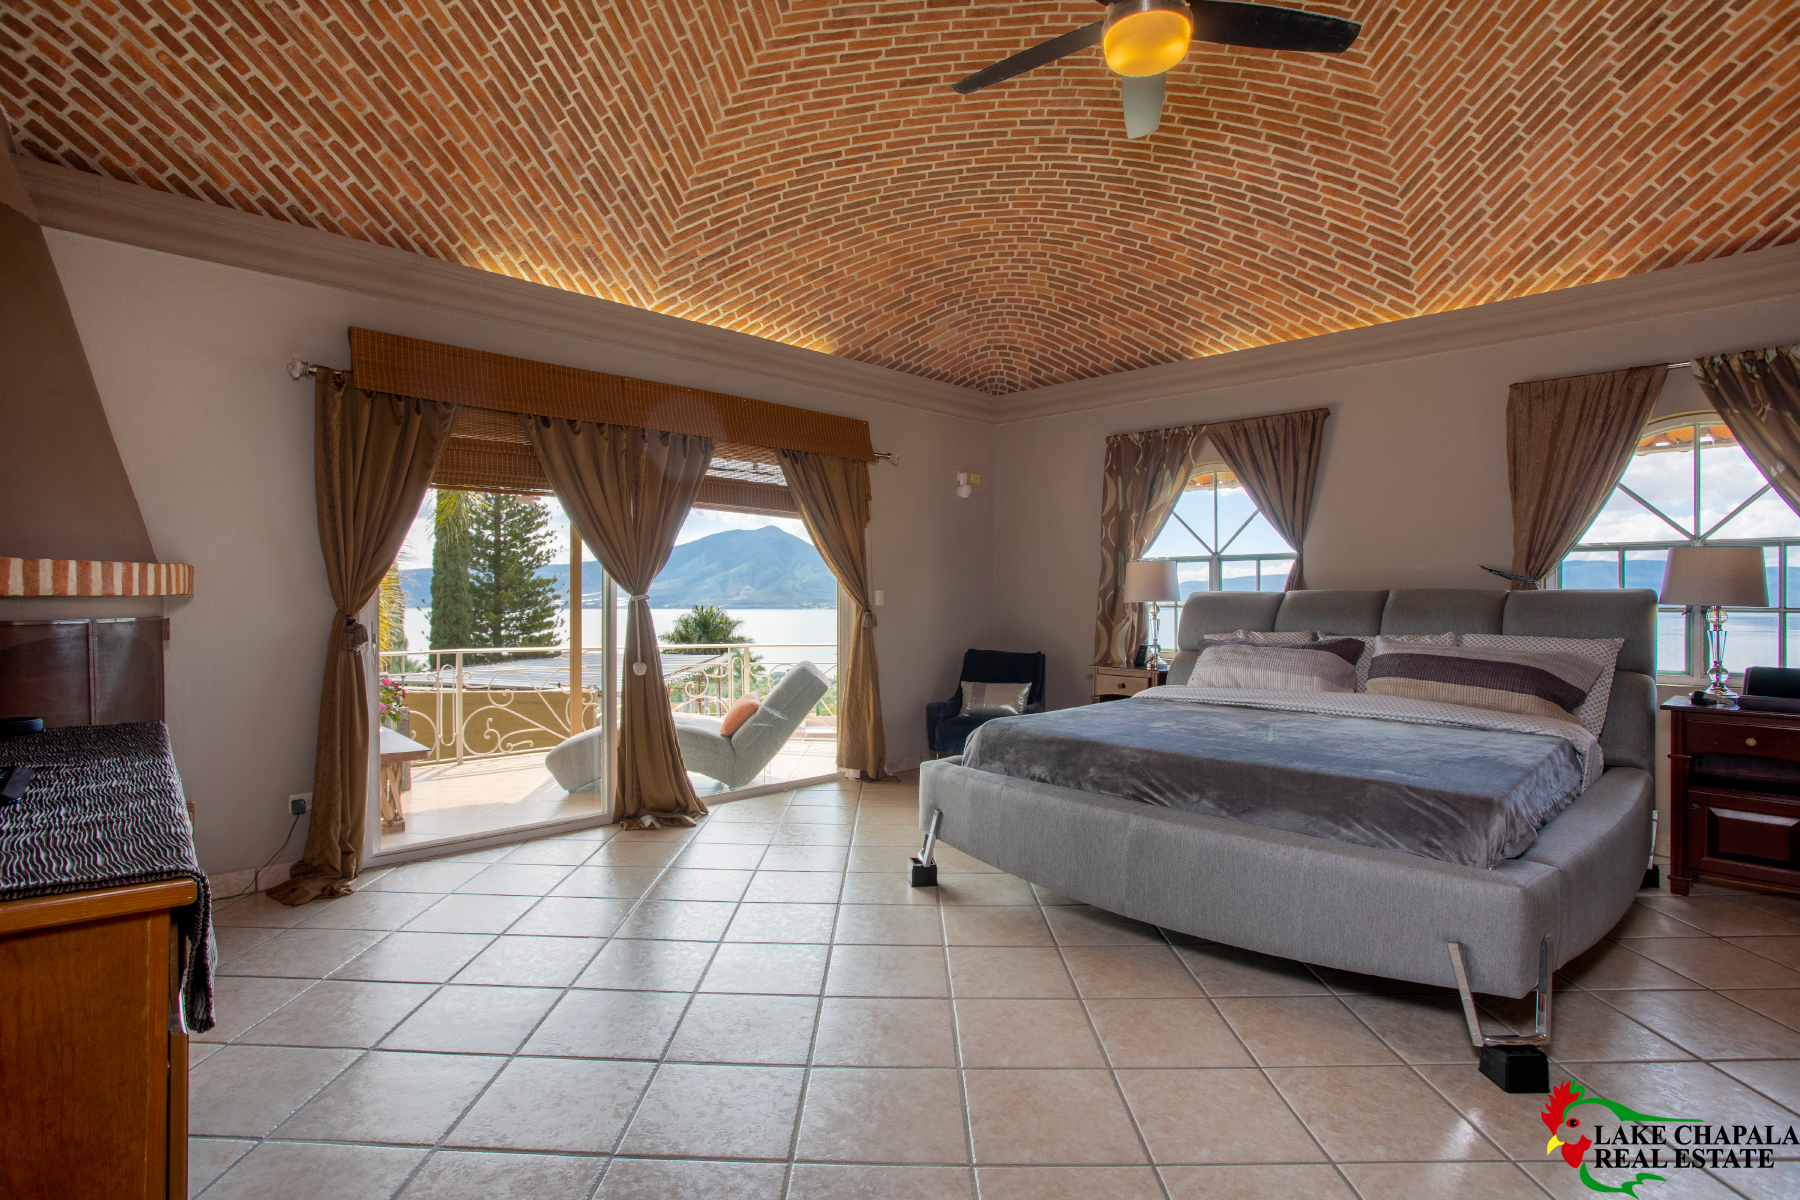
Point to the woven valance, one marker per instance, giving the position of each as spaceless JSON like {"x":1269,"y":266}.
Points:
{"x":386,"y":362}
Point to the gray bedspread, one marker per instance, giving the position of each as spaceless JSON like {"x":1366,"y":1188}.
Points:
{"x":1425,"y":779}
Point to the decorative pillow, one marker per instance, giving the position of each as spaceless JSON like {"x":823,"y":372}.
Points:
{"x":737,"y":714}
{"x":1263,"y":639}
{"x":1540,"y":683}
{"x":1604,"y":651}
{"x":994,"y":699}
{"x":1314,"y":667}
{"x":1368,"y":653}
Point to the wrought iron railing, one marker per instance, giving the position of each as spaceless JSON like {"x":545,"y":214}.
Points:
{"x":484,"y":703}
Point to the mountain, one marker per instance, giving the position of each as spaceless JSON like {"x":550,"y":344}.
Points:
{"x":739,"y":568}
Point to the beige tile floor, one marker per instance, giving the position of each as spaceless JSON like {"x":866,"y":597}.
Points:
{"x":761,"y":1007}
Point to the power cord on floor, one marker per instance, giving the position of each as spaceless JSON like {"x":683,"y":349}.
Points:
{"x":257,"y":874}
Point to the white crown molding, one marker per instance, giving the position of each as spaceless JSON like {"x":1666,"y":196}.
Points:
{"x":1737,"y":279}
{"x":114,"y":211}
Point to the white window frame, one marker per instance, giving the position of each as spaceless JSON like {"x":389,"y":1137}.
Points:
{"x":1216,"y":559}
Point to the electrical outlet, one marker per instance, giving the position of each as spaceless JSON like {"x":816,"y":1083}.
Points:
{"x":300,"y":803}
{"x":880,"y":597}
{"x":975,"y":477}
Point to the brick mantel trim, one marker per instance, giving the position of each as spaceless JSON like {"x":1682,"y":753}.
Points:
{"x":120,"y":212}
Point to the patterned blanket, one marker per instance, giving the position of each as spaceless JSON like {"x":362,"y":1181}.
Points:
{"x":105,"y":809}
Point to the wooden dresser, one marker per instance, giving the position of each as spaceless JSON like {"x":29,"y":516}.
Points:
{"x":96,"y":1061}
{"x":1734,"y":790}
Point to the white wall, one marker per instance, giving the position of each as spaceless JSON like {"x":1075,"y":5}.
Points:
{"x":218,"y":444}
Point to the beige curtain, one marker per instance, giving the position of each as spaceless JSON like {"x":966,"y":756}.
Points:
{"x":1277,"y":460}
{"x":1145,"y":473}
{"x":628,"y":490}
{"x":833,"y":497}
{"x":1758,"y":395}
{"x":373,"y":453}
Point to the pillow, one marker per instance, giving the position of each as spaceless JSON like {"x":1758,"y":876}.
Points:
{"x":1604,"y":651}
{"x":737,"y":714}
{"x":994,"y":699}
{"x":1308,"y":668}
{"x":1262,"y":639}
{"x":1539,"y":683}
{"x":1362,"y":663}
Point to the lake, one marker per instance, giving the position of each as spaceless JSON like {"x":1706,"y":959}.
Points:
{"x":764,"y":626}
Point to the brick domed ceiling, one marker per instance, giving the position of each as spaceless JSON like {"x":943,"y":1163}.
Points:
{"x":801,"y":171}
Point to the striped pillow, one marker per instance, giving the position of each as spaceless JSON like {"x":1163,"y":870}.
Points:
{"x":1314,"y":667}
{"x":1362,"y":664}
{"x":1540,"y":683}
{"x":1604,"y":651}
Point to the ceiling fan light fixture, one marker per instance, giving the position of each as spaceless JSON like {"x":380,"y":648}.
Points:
{"x":1146,"y":37}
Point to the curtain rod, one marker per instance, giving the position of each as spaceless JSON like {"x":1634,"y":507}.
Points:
{"x":298,"y":368}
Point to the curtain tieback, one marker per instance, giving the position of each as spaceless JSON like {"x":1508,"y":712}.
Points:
{"x":639,"y":667}
{"x":356,"y":634}
{"x":868,"y":619}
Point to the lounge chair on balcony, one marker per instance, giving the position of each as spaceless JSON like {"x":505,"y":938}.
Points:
{"x":736,"y":760}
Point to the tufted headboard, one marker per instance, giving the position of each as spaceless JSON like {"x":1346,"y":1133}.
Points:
{"x":1629,"y":739}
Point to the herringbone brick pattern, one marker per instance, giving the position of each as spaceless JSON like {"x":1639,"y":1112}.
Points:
{"x":798,"y":169}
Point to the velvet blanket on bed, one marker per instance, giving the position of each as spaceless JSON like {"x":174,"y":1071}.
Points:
{"x":1444,"y":781}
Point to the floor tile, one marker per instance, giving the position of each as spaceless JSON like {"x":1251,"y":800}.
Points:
{"x":1303,"y":1031}
{"x":980,"y":888}
{"x":471,"y":914}
{"x":782,"y":923}
{"x":209,"y":1158}
{"x":856,"y":1115}
{"x":240,"y":1001}
{"x":233,"y":940}
{"x":1640,"y":921}
{"x":1379,"y":1114}
{"x":246,"y":1091}
{"x":887,"y":971}
{"x":609,"y":882}
{"x":551,"y":852}
{"x":810,"y":835}
{"x":1784,"y":950}
{"x":889,"y":925}
{"x":822,"y":1181}
{"x":1778,"y":1080}
{"x":472,"y":1175}
{"x":431,"y":876}
{"x":798,"y":887}
{"x":344,"y":1013}
{"x":257,"y":909}
{"x":1708,"y":1025}
{"x":753,"y":967}
{"x":1166,"y":1033}
{"x":1224,"y":1116}
{"x":1226,"y":971}
{"x":1564,"y":1184}
{"x":1589,"y":1028}
{"x":473,"y":1020}
{"x":1026,"y":1033}
{"x":1430,"y":1181}
{"x":372,"y":910}
{"x":1708,"y":961}
{"x":1069,"y":1183}
{"x":713,"y":1111}
{"x":805,"y":858}
{"x":663,"y":1179}
{"x":1046,"y":1117}
{"x":572,"y":916}
{"x":1001,"y":972}
{"x":1128,"y":972}
{"x":394,"y":1097}
{"x":308,"y":1169}
{"x":952,"y":860}
{"x":551,"y":1104}
{"x":518,"y":961}
{"x":1608,"y":965}
{"x":678,"y":920}
{"x":1512,"y":1122}
{"x":856,"y":1032}
{"x":894,"y":836}
{"x":683,"y":883}
{"x":608,"y":1024}
{"x":1781,"y":1004}
{"x":415,"y":957}
{"x":885,"y":887}
{"x":1431,"y":1028}
{"x":507,"y":879}
{"x":199,"y":1052}
{"x":1006,"y":925}
{"x":642,"y":965}
{"x":721,"y":857}
{"x":303,"y":953}
{"x":1720,"y":916}
{"x":1080,"y":925}
{"x":766,"y":1030}
{"x":885,"y":860}
{"x":1256,"y":1183}
{"x":637,"y":852}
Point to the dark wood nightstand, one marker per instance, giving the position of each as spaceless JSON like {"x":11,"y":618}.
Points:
{"x":1734,"y":788}
{"x":1117,"y":683}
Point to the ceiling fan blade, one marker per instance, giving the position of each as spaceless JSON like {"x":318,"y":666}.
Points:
{"x":1268,"y":27}
{"x":1143,"y":96}
{"x":1037,"y":56}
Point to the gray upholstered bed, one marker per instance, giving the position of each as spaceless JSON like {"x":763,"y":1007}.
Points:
{"x":1359,"y":908}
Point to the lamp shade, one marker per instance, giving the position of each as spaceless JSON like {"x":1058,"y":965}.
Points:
{"x":1726,"y":576}
{"x":1151,"y":581}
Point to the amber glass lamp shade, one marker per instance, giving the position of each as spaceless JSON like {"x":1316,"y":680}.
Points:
{"x":1146,"y":37}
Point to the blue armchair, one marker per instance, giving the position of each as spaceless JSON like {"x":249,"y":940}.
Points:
{"x":945,"y":731}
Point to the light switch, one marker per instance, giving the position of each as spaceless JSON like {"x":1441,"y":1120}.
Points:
{"x":880,"y":597}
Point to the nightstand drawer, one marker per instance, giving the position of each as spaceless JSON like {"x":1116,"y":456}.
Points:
{"x":1742,"y":737}
{"x":1116,"y":683}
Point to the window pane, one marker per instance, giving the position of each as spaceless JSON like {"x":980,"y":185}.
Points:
{"x":1644,"y":568}
{"x":1274,"y":574}
{"x":1793,"y":638}
{"x":1239,"y":576}
{"x":1727,"y":477}
{"x":1752,"y":639}
{"x":1174,"y":541}
{"x":1672,"y":642}
{"x":1193,"y":576}
{"x":1591,"y":569}
{"x":1662,"y":472}
{"x":1772,"y":574}
{"x":1767,"y":517}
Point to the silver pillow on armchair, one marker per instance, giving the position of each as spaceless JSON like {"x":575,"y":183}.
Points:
{"x":994,"y":699}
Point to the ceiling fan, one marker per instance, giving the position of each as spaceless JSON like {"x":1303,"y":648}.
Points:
{"x":1142,"y":39}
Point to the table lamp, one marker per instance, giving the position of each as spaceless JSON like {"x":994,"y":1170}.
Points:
{"x":1152,"y":581}
{"x":1712,"y":577}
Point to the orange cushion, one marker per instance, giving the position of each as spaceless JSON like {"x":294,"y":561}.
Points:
{"x":737,"y":714}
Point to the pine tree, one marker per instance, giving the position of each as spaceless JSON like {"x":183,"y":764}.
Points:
{"x":452,"y":606}
{"x":509,"y":539}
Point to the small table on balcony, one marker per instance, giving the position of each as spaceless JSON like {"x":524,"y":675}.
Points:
{"x":396,"y":749}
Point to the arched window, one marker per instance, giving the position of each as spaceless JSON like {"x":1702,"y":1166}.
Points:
{"x":1220,"y":541}
{"x":1689,"y":483}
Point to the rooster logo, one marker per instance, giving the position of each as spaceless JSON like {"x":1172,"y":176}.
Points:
{"x":1568,"y":1135}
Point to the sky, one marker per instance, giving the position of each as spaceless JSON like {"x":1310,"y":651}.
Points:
{"x":416,"y":552}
